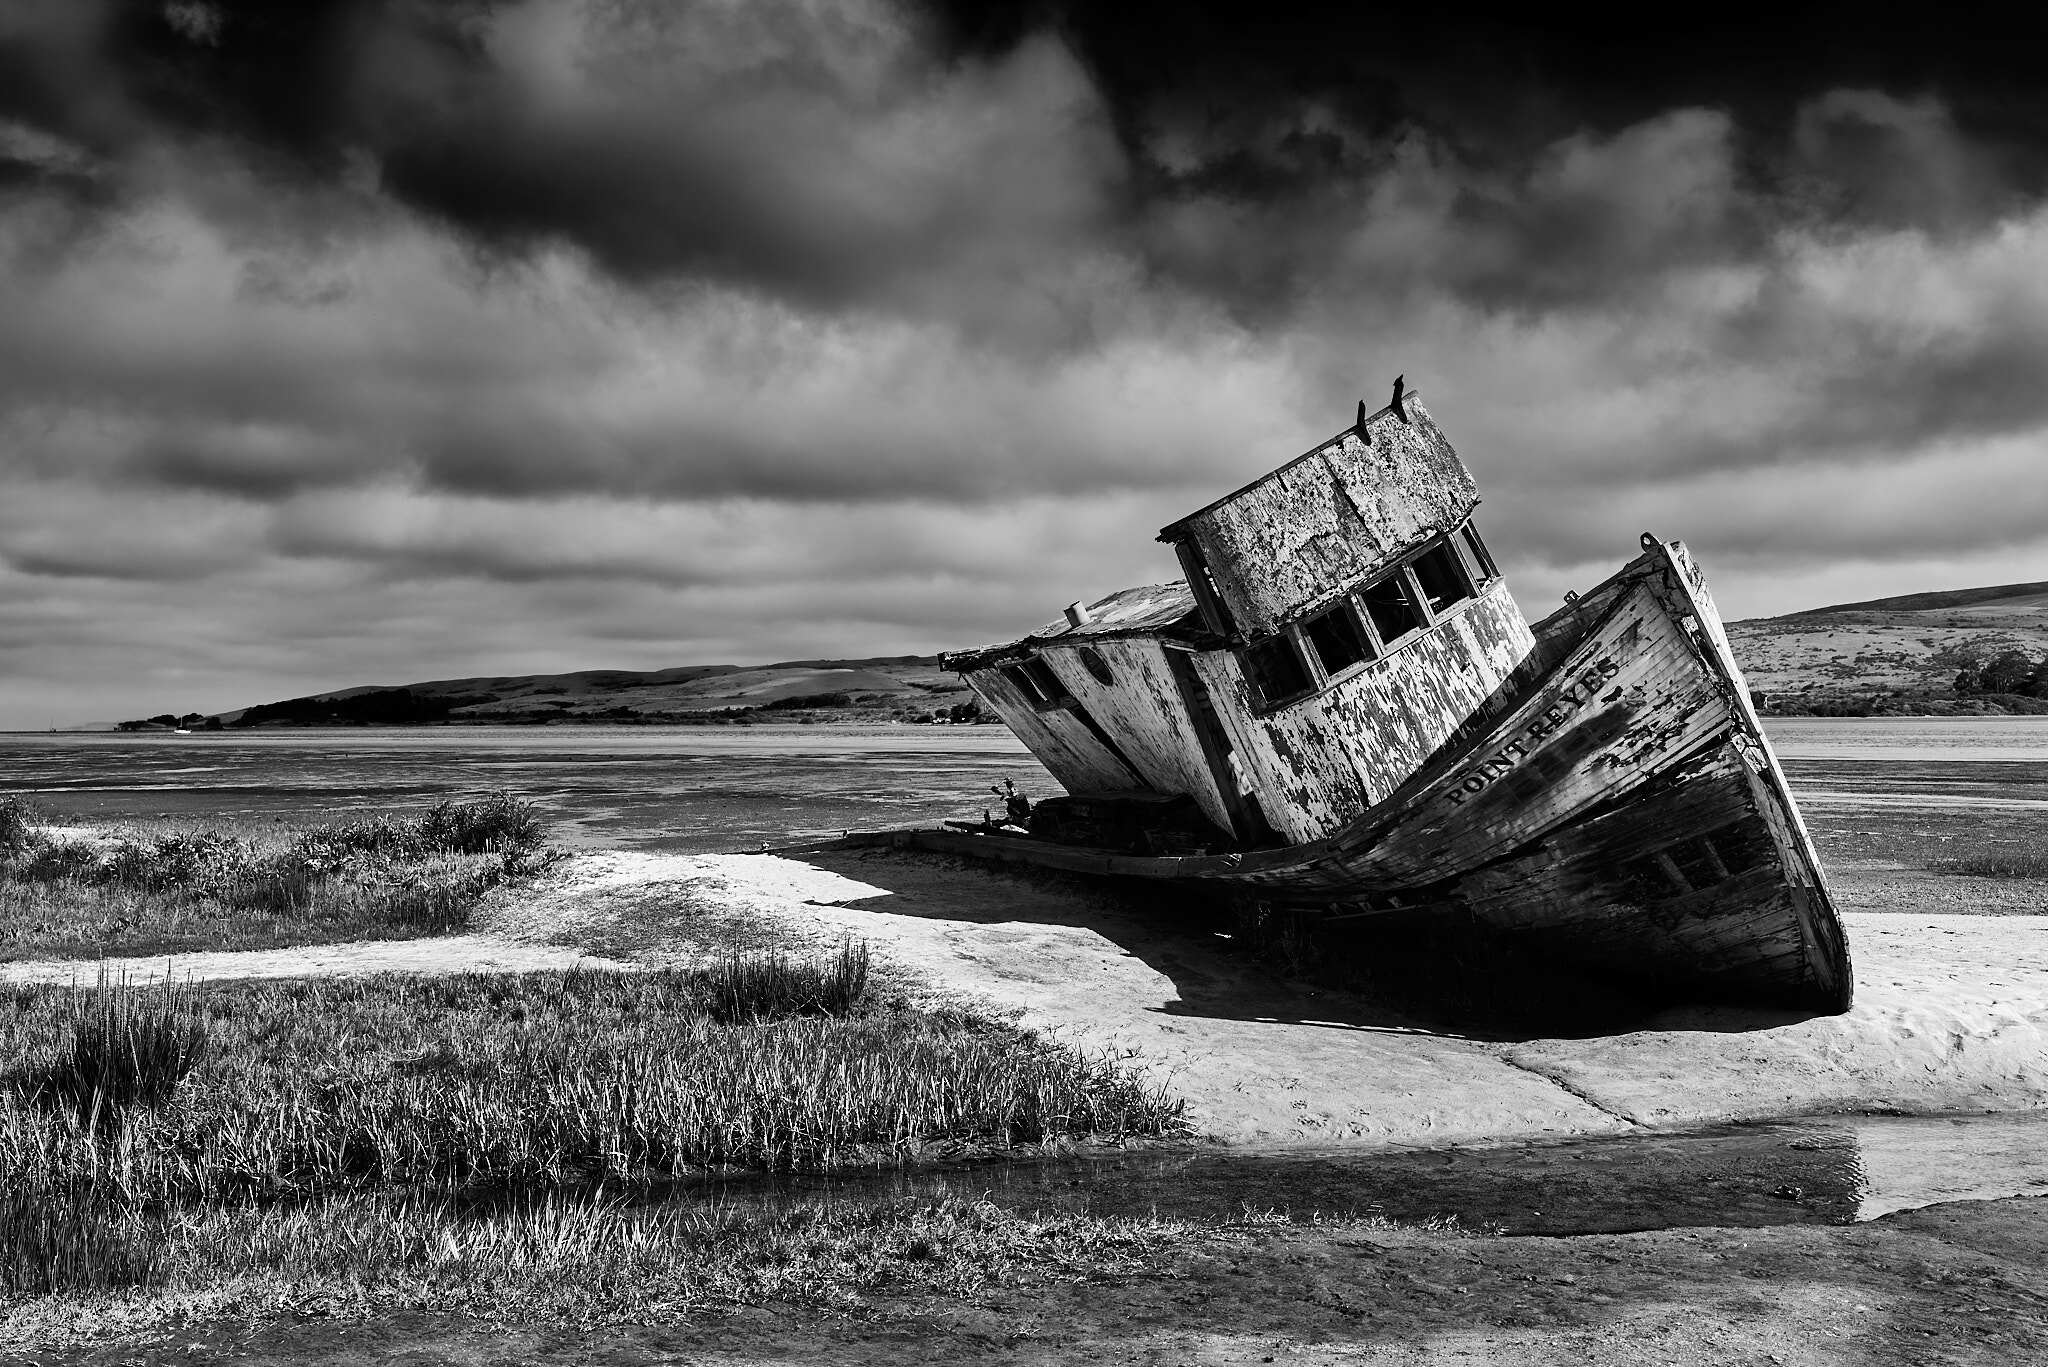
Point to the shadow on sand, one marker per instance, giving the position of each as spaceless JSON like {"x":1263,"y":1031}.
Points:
{"x":1388,"y":973}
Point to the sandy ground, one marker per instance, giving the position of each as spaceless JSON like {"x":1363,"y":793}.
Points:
{"x":444,"y":954}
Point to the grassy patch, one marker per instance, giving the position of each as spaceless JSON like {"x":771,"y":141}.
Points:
{"x":1997,"y":864}
{"x":166,"y":890}
{"x":531,"y":1082}
{"x":475,"y":1143}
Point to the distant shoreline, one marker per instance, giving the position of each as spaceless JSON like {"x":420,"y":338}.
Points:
{"x":850,"y":724}
{"x":608,"y":724}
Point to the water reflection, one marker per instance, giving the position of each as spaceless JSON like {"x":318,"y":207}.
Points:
{"x":1836,"y":1170}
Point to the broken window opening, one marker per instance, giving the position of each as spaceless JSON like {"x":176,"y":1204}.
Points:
{"x":1036,"y":681}
{"x":1022,"y":682}
{"x":1738,"y":850}
{"x":1337,"y":639}
{"x":1482,"y":561}
{"x":1276,"y":669}
{"x":1697,"y":860}
{"x":1442,"y":578}
{"x":1048,"y":683}
{"x":1208,"y":599}
{"x":1392,"y":611}
{"x":1097,"y":667}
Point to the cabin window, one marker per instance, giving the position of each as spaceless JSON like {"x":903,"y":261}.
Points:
{"x":1482,"y":562}
{"x":1215,"y":612}
{"x":1393,"y":612}
{"x":1442,"y":578}
{"x":1336,"y":638}
{"x":1021,"y":681}
{"x":1097,"y":667}
{"x":1036,"y":681}
{"x":1049,"y":686}
{"x":1276,"y":669}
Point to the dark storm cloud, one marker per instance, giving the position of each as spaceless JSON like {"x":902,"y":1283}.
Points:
{"x":824,"y":152}
{"x":839,"y":157}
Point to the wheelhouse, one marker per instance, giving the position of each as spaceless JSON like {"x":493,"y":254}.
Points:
{"x":1340,"y":622}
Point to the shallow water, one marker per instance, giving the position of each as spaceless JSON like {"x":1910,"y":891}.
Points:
{"x":682,"y":789}
{"x":1831,"y":1170}
{"x":1915,"y":739}
{"x":704,"y":789}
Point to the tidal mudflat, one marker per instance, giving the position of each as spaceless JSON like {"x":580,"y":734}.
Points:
{"x":680,"y":789}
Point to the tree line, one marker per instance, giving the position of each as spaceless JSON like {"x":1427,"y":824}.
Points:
{"x":2009,"y":673}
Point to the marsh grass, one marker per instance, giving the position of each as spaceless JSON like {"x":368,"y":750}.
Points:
{"x":129,"y":1046}
{"x":51,"y":1247}
{"x":752,"y":987}
{"x":532,"y":1082}
{"x":477,"y":1143}
{"x":552,"y":1259}
{"x":2029,"y":864}
{"x":168,"y":890}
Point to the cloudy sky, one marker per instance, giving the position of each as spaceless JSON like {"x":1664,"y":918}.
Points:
{"x":369,"y":342}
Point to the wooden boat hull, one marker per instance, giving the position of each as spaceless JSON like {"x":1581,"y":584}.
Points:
{"x":1616,"y":804}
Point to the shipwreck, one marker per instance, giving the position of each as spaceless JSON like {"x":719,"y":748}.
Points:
{"x":1341,"y":709}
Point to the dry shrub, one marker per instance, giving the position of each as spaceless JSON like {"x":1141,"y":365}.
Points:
{"x":17,"y":833}
{"x":1997,"y":864}
{"x":205,"y":888}
{"x":497,"y":823}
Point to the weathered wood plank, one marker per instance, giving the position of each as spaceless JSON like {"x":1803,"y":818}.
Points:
{"x":1321,"y":524}
{"x":1062,"y":743}
{"x":1319,"y":763}
{"x":1142,"y":710}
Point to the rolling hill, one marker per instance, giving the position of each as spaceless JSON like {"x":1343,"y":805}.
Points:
{"x":891,"y":688}
{"x":1887,"y":655}
{"x":1894,"y":654}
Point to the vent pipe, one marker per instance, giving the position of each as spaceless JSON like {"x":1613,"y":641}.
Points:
{"x":1077,"y":615}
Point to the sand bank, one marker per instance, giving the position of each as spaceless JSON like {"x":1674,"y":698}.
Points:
{"x":441,"y":954}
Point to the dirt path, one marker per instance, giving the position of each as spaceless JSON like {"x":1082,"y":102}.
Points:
{"x":352,"y":958}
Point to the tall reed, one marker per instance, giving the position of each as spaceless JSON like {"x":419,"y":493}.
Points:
{"x":748,"y":986}
{"x":130,"y":1046}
